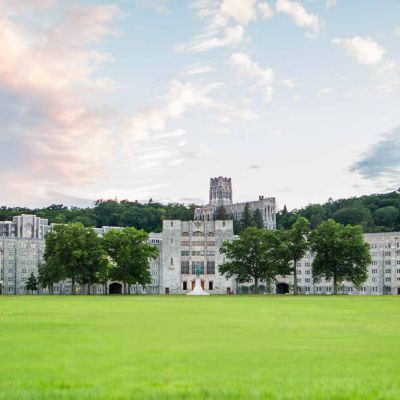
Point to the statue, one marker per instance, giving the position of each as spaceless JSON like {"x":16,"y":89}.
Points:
{"x":197,"y":290}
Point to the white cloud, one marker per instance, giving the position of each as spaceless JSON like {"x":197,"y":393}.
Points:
{"x":299,"y":15}
{"x":363,"y":50}
{"x":366,"y":51}
{"x":231,"y":36}
{"x":198,"y":70}
{"x":264,"y":77}
{"x":265,"y":10}
{"x":226,"y":24}
{"x":331,"y":3}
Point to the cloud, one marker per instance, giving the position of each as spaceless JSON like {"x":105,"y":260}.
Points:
{"x":366,"y":51}
{"x":51,"y":74}
{"x":231,"y":37}
{"x":264,"y":77}
{"x":331,"y":3}
{"x":198,"y":70}
{"x":363,"y":50}
{"x":299,"y":15}
{"x":255,"y":167}
{"x":265,"y":10}
{"x":381,"y":161}
{"x":226,"y":23}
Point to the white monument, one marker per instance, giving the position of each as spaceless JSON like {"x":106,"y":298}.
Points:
{"x":198,"y":290}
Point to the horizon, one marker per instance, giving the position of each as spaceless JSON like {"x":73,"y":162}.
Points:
{"x":295,"y":100}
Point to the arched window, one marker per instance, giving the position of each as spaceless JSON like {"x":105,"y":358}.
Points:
{"x":210,"y":234}
{"x":185,"y":234}
{"x":197,"y":233}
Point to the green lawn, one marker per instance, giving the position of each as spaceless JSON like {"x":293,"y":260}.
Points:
{"x":220,"y":347}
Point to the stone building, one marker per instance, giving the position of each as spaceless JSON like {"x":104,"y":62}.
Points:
{"x":25,"y":226}
{"x":184,"y":245}
{"x":19,"y":257}
{"x":188,"y":244}
{"x":221,"y":194}
{"x":383,"y":273}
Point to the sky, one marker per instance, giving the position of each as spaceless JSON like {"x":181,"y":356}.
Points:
{"x":139,"y":99}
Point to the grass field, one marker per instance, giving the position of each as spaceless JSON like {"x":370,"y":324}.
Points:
{"x":221,"y":347}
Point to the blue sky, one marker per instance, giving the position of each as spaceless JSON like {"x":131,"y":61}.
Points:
{"x":139,"y":99}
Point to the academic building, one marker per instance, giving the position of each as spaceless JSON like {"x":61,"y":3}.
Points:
{"x":187,"y":245}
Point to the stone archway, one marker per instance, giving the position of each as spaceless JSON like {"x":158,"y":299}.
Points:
{"x":282,"y":288}
{"x":115,"y":288}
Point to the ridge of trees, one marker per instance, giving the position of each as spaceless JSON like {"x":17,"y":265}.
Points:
{"x":374,"y":213}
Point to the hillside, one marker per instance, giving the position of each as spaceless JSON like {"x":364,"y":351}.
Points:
{"x":375,"y":213}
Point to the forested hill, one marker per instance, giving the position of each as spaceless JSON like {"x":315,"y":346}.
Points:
{"x":147,"y":216}
{"x":376,"y":212}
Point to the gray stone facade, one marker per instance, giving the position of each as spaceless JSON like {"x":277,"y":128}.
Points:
{"x":383,"y":273}
{"x":186,"y":244}
{"x":183,"y":245}
{"x":221,"y":194}
{"x":25,"y":226}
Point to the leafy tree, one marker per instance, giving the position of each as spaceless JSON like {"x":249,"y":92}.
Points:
{"x":32,"y":283}
{"x":386,"y":216}
{"x":246,"y":220}
{"x":49,"y":274}
{"x":130,"y":252}
{"x":353,"y":216}
{"x":297,"y":237}
{"x":258,"y":221}
{"x":340,"y":253}
{"x":73,"y":251}
{"x":221,"y":214}
{"x":256,"y":255}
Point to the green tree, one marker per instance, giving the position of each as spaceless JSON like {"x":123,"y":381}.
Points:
{"x":386,"y":216}
{"x":50,"y":273}
{"x":356,"y":215}
{"x":32,"y":283}
{"x":340,"y":253}
{"x":221,"y":214}
{"x":73,"y":252}
{"x":297,"y":237}
{"x":246,"y":221}
{"x":130,"y":253}
{"x":258,"y":221}
{"x":256,"y":255}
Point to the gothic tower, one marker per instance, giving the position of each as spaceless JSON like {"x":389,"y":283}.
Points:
{"x":220,"y":191}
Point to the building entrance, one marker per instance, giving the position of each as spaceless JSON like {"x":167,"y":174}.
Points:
{"x":194,"y":282}
{"x":282,"y":288}
{"x":115,"y":288}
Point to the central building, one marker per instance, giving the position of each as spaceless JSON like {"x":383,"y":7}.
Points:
{"x":221,"y":195}
{"x":190,"y":244}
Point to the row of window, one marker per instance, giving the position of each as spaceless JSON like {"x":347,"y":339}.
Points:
{"x":186,"y":253}
{"x":197,"y":233}
{"x":197,"y":243}
{"x":210,"y":267}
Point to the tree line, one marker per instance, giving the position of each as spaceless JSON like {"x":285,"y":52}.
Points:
{"x":75,"y":252}
{"x":340,"y":254}
{"x":374,"y":213}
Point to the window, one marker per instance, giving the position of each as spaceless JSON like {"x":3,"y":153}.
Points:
{"x":185,"y":234}
{"x":307,"y":280}
{"x":199,"y":264}
{"x":374,"y":279}
{"x":307,"y":264}
{"x":172,"y":261}
{"x":210,"y":234}
{"x":210,"y":267}
{"x":388,"y":271}
{"x":211,"y":253}
{"x":388,"y":253}
{"x":210,"y":243}
{"x":197,"y":233}
{"x":374,"y":271}
{"x":184,"y":287}
{"x":172,"y":224}
{"x":211,"y":285}
{"x":388,"y":262}
{"x":184,"y":267}
{"x":308,"y":272}
{"x":374,"y":289}
{"x":374,"y":263}
{"x":388,"y":279}
{"x":185,"y":253}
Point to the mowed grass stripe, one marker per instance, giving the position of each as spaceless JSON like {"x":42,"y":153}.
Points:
{"x":220,"y":347}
